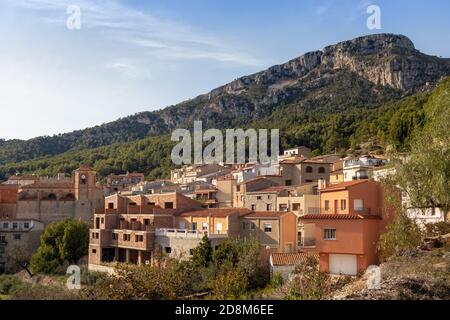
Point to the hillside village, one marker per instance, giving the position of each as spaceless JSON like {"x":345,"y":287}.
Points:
{"x":326,"y":207}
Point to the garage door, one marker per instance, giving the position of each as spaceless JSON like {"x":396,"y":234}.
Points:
{"x":343,"y":264}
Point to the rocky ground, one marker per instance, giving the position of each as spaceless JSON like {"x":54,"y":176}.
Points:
{"x":416,"y":274}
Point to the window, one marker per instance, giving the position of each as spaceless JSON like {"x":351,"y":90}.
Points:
{"x":343,"y":204}
{"x":358,"y":205}
{"x":238,"y":188}
{"x":182,"y":225}
{"x":2,"y":238}
{"x":296,"y":206}
{"x":321,"y":170}
{"x":17,"y":236}
{"x":329,"y":234}
{"x":308,"y":180}
{"x":14,"y":225}
{"x":252,"y":226}
{"x":168,"y":205}
{"x":2,"y":250}
{"x":151,"y":203}
{"x":258,"y":198}
{"x":269,"y":207}
{"x":94,"y":251}
{"x":26,"y":225}
{"x":5,"y":225}
{"x":132,"y":203}
{"x":102,"y":220}
{"x":194,"y":225}
{"x":244,"y":225}
{"x":205,"y":226}
{"x":111,"y":205}
{"x":115,"y":236}
{"x":267,"y":227}
{"x":253,"y":207}
{"x":219,"y":228}
{"x":283,"y":207}
{"x":139,"y":238}
{"x":288,"y":182}
{"x":168,"y":249}
{"x":327,"y":205}
{"x":309,"y":169}
{"x":126,"y":237}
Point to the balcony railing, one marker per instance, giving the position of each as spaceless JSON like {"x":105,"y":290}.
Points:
{"x":331,"y":210}
{"x":191,"y":234}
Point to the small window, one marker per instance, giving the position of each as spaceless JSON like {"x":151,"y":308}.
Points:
{"x":26,"y":225}
{"x":151,"y":203}
{"x":343,"y":204}
{"x":296,"y":206}
{"x":321,"y":170}
{"x":115,"y":236}
{"x":132,"y":203}
{"x":309,"y":169}
{"x":17,"y":236}
{"x":182,"y":225}
{"x":327,"y":205}
{"x":253,"y":207}
{"x":252,"y":226}
{"x":3,"y":239}
{"x":358,"y":205}
{"x":269,"y":207}
{"x":194,"y":225}
{"x":267,"y":227}
{"x":329,"y":234}
{"x":288,"y":182}
{"x":168,"y":250}
{"x":238,"y":188}
{"x":2,"y":250}
{"x":258,"y":198}
{"x":205,"y":226}
{"x":5,"y":225}
{"x":168,"y":205}
{"x":244,"y":225}
{"x":94,"y":251}
{"x":111,"y":205}
{"x":14,"y":225}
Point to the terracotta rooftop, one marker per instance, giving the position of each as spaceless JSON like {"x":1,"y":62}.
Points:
{"x":49,"y":185}
{"x":343,"y":185}
{"x":290,"y":259}
{"x":213,"y":212}
{"x":275,"y":189}
{"x":266,"y":214}
{"x":338,"y":217}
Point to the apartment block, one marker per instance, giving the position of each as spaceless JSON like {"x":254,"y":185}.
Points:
{"x":352,"y":217}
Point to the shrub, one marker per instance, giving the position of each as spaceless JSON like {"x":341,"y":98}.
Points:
{"x":402,"y":234}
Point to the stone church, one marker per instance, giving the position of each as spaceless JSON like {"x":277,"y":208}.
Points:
{"x":52,"y":199}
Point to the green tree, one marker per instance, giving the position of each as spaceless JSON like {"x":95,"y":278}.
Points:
{"x":66,"y":240}
{"x":202,"y":254}
{"x":425,"y":174}
{"x":402,"y":233}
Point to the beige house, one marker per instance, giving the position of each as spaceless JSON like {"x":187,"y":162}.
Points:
{"x":18,"y":239}
{"x":297,"y":170}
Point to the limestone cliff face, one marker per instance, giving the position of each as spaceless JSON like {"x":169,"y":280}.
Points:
{"x":383,"y":59}
{"x":386,"y":61}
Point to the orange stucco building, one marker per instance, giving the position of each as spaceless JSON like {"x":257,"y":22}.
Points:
{"x":352,"y":217}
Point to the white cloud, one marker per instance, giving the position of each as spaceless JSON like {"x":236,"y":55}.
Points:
{"x":150,"y":34}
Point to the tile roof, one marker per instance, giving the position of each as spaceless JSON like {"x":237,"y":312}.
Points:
{"x":213,"y":212}
{"x":49,"y":185}
{"x":339,"y":216}
{"x":266,"y":214}
{"x":290,"y":259}
{"x":343,"y":185}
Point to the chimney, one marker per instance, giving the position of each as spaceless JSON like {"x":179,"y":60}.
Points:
{"x":321,"y":184}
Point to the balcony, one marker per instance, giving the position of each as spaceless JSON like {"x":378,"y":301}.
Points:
{"x":188,"y":234}
{"x":317,"y":210}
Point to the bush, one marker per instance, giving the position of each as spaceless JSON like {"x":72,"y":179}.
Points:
{"x":276,"y":281}
{"x":402,"y":234}
{"x":230,"y":285}
{"x":9,"y":283}
{"x":437,"y":229}
{"x":63,"y":241}
{"x":309,"y":283}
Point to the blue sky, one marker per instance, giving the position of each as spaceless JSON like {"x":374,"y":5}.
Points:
{"x":135,"y":55}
